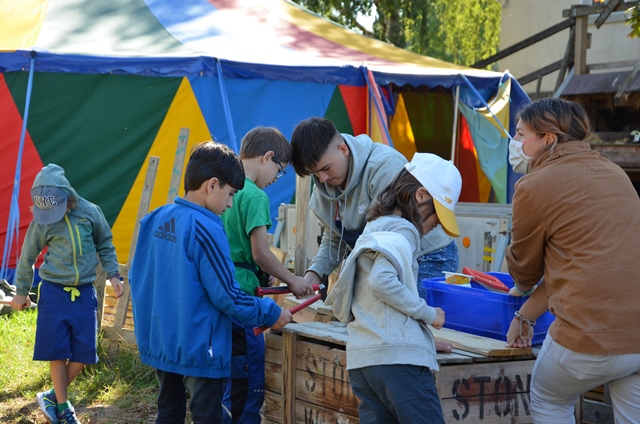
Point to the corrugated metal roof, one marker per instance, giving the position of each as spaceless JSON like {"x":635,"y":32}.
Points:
{"x":603,"y":83}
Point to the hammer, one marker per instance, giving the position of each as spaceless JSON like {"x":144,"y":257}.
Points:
{"x":322,"y":294}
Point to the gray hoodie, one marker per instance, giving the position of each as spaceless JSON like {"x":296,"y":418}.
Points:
{"x":373,"y":167}
{"x":377,"y":297}
{"x":71,"y":243}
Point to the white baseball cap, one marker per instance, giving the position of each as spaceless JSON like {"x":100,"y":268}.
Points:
{"x":442,"y":180}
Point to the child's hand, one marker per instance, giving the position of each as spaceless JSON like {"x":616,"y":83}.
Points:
{"x":118,"y":287}
{"x":19,"y":303}
{"x":284,"y":319}
{"x":300,"y":287}
{"x":439,"y":321}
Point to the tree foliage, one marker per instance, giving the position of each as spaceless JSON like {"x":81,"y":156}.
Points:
{"x":458,"y":31}
{"x":634,"y":22}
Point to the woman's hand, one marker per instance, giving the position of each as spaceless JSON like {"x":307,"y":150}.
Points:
{"x":514,"y":337}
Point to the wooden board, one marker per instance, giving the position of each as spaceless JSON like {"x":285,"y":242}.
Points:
{"x":477,"y":344}
{"x":486,"y":392}
{"x":306,"y":413}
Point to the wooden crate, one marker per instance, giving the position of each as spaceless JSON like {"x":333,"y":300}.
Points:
{"x":307,"y":381}
{"x":110,"y":304}
{"x":316,"y":383}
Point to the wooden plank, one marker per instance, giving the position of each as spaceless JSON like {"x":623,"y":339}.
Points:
{"x":453,"y":358}
{"x":567,"y":60}
{"x":289,"y":342}
{"x":283,"y":257}
{"x":333,"y":332}
{"x":303,"y":193}
{"x":504,"y":409}
{"x":581,"y":45}
{"x":272,"y":406}
{"x":609,"y":7}
{"x":143,"y":209}
{"x":482,"y":345}
{"x":178,"y":164}
{"x":491,"y":378}
{"x":610,"y":65}
{"x":583,"y":10}
{"x":273,"y":347}
{"x":525,"y":43}
{"x":100,"y":286}
{"x":308,"y":413}
{"x":273,"y":378}
{"x":618,"y":98}
{"x":494,"y":392}
{"x":332,"y":393}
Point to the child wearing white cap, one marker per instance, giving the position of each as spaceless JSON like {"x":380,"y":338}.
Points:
{"x":391,"y":351}
{"x":73,"y":230}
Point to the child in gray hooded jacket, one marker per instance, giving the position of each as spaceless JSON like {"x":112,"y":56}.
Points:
{"x":390,"y":350}
{"x":73,"y":230}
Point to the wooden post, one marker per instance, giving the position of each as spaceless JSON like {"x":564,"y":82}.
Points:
{"x":618,"y":99}
{"x":567,"y":59}
{"x":145,"y":201}
{"x":289,"y":341}
{"x":100,"y":286}
{"x":178,"y":162}
{"x":303,"y":192}
{"x":454,"y":137}
{"x":581,"y":45}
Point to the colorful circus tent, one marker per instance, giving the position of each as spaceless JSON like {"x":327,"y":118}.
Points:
{"x":98,"y":87}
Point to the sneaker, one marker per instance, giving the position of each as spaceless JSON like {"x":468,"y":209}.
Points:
{"x":47,"y":403}
{"x":68,"y":416}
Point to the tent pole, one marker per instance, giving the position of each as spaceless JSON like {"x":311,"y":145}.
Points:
{"x":13,"y":226}
{"x":227,"y":109}
{"x":454,"y":137}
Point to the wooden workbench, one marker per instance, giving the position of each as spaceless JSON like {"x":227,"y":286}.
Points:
{"x":481,"y":381}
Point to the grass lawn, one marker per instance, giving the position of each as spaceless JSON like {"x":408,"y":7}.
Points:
{"x":119,"y":389}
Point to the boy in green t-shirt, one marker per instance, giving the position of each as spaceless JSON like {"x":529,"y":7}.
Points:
{"x":264,"y":152}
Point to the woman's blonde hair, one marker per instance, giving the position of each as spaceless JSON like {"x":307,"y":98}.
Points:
{"x":565,"y":119}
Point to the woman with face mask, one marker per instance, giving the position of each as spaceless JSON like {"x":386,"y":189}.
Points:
{"x":576,"y":221}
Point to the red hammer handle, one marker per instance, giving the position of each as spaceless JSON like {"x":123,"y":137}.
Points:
{"x":261,"y":291}
{"x":259,"y":330}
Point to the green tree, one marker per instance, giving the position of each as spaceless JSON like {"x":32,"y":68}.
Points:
{"x":458,"y":31}
{"x":634,"y":22}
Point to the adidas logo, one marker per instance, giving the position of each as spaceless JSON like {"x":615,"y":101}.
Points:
{"x":167,"y":231}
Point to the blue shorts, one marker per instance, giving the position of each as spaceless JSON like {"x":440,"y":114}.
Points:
{"x":66,"y":329}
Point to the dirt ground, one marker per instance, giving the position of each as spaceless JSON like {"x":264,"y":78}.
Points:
{"x":26,"y":411}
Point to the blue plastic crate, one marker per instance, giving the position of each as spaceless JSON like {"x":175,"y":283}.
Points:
{"x":476,"y":310}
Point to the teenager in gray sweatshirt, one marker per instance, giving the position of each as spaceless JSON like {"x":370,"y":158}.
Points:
{"x":390,"y":350}
{"x":349,"y":172}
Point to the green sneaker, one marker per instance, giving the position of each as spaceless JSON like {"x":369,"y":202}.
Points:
{"x":47,"y":403}
{"x":68,"y":416}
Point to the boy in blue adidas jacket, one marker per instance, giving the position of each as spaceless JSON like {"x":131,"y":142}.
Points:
{"x":184,"y":292}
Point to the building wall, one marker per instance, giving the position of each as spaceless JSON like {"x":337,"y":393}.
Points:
{"x":524,"y":18}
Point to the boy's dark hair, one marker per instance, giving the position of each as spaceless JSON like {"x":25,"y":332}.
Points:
{"x":309,"y":142}
{"x":260,"y":140}
{"x":400,"y":195}
{"x":210,"y":159}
